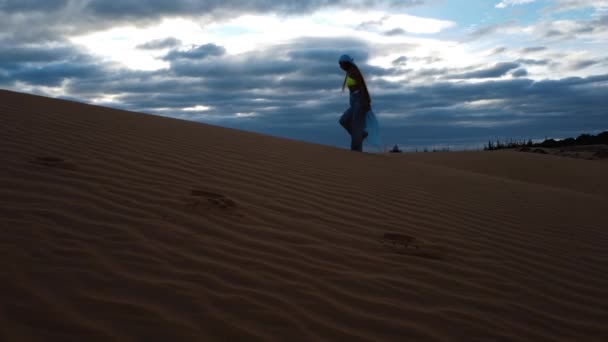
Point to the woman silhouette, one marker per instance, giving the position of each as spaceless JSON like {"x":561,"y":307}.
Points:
{"x":353,"y":119}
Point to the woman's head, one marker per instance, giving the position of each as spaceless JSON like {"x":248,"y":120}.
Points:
{"x":346,"y":62}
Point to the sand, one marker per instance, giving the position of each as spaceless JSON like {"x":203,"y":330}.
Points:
{"x":117,"y":225}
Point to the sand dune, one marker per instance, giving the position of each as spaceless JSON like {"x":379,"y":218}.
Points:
{"x":124,"y":226}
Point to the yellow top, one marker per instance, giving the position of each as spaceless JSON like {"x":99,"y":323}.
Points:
{"x":350,"y":82}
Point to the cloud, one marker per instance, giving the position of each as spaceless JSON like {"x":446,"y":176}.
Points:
{"x":32,"y":5}
{"x":12,"y":53}
{"x":371,"y":24}
{"x":513,"y":108}
{"x":506,"y":3}
{"x":45,"y":65}
{"x":547,"y":31}
{"x":553,"y":33}
{"x":532,"y":49}
{"x":159,"y":44}
{"x":399,"y":24}
{"x":498,"y":50}
{"x":571,"y":5}
{"x":291,"y":96}
{"x":282,"y":76}
{"x":492,"y":29}
{"x":395,"y":32}
{"x":582,"y":64}
{"x":520,"y":73}
{"x":151,"y":9}
{"x":498,"y":70}
{"x":400,"y":61}
{"x":533,"y":61}
{"x":427,"y":59}
{"x":573,"y":29}
{"x":54,"y":74}
{"x":323,"y":50}
{"x":95,"y":15}
{"x":198,"y":52}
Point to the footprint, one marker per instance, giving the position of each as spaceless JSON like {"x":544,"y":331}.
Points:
{"x":216,"y":199}
{"x":409,"y":245}
{"x":55,"y":163}
{"x":398,"y":239}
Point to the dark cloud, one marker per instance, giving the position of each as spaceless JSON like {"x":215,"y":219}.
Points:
{"x":259,"y":66}
{"x":432,"y":72}
{"x":304,"y":57}
{"x":323,"y":54}
{"x":490,"y":29}
{"x":519,"y":96}
{"x":553,"y":30}
{"x":498,"y":70}
{"x":198,"y":52}
{"x":595,"y":25}
{"x":533,"y":49}
{"x":553,"y":33}
{"x":32,"y":5}
{"x":576,"y":29}
{"x":498,"y":50}
{"x":582,"y":64}
{"x":520,"y":73}
{"x":13,"y":53}
{"x":160,"y":44}
{"x":287,"y":73}
{"x":401,"y":61}
{"x":45,"y":65}
{"x":324,"y":49}
{"x":427,"y":59}
{"x":371,"y":24}
{"x":584,"y":29}
{"x":54,"y":74}
{"x":152,"y":8}
{"x":395,"y":32}
{"x":533,"y":61}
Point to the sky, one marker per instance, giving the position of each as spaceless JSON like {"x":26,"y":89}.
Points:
{"x":441,"y":73}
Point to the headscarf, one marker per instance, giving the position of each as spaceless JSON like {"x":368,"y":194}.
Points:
{"x":347,"y":58}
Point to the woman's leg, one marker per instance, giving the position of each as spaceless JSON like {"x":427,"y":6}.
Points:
{"x":346,"y":119}
{"x":357,"y":125}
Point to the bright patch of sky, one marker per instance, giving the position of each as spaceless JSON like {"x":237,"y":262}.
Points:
{"x":254,"y":32}
{"x":120,"y":44}
{"x":439,"y":28}
{"x":506,"y":3}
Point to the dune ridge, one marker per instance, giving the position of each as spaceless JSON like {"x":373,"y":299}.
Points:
{"x":125,"y":226}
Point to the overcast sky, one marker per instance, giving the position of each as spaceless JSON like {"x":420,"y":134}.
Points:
{"x":440,"y":72}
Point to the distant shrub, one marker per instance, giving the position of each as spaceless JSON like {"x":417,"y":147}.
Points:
{"x":583,"y":139}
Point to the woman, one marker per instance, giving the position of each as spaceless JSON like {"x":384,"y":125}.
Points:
{"x":353,"y":119}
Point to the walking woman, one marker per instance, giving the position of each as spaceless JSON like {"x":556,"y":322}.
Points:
{"x":354,"y":118}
